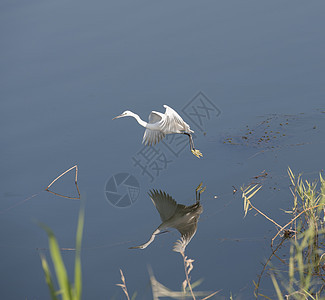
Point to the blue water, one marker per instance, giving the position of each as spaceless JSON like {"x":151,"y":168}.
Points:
{"x":68,"y":68}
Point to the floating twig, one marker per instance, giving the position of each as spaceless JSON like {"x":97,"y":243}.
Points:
{"x":75,"y":181}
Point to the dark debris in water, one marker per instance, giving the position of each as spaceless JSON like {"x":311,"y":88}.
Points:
{"x":274,"y":131}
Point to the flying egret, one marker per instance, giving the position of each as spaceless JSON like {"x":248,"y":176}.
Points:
{"x":161,"y":124}
{"x":178,"y":216}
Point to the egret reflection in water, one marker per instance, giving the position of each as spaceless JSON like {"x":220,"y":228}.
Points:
{"x":178,"y":216}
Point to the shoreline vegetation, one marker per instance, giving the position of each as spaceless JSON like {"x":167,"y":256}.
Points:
{"x":300,"y":276}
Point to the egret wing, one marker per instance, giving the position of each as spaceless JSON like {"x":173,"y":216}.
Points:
{"x":164,"y":203}
{"x":174,"y":122}
{"x":154,"y":117}
{"x":188,"y":229}
{"x":173,"y":114}
{"x":181,"y":244}
{"x":187,"y":232}
{"x":152,"y":137}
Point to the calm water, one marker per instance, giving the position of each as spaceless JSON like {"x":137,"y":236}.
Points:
{"x":68,"y":68}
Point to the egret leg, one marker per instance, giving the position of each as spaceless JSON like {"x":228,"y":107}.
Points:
{"x":191,"y":141}
{"x":198,"y":191}
{"x":196,"y":152}
{"x":197,"y":194}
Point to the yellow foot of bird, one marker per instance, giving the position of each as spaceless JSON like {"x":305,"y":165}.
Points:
{"x":197,"y":153}
{"x":200,"y":189}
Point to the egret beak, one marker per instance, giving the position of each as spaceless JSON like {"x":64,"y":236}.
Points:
{"x":118,"y":117}
{"x":136,"y":247}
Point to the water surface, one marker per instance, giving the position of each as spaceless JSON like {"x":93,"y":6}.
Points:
{"x":69,"y":68}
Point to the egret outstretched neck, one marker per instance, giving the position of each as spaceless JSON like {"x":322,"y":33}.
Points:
{"x":139,"y":120}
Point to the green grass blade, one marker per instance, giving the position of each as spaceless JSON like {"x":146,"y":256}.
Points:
{"x":77,"y":273}
{"x":264,"y":296}
{"x":134,"y":295}
{"x":196,"y":283}
{"x":291,"y":268}
{"x":291,"y":176}
{"x":277,"y":288}
{"x":48,"y":277}
{"x":59,"y":267}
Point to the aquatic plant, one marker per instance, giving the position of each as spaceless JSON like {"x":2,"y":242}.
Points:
{"x":67,"y":291}
{"x":306,"y":264}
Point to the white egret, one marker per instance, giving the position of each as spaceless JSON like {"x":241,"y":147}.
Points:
{"x":161,"y":124}
{"x":174,"y":215}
